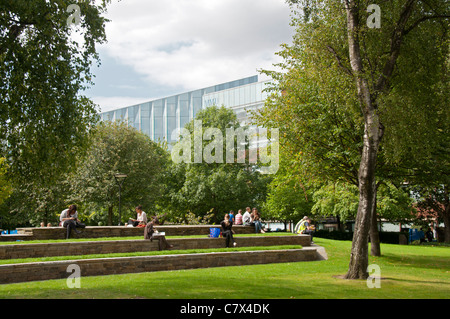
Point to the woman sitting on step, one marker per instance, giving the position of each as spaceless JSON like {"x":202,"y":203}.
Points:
{"x":151,"y":233}
{"x":227,"y":231}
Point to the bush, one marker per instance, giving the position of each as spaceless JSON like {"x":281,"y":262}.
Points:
{"x":335,"y":234}
{"x":385,"y":237}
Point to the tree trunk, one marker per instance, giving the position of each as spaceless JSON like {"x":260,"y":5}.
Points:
{"x":446,"y":215}
{"x":373,"y":132}
{"x":45,"y":221}
{"x":375,"y":249}
{"x":339,"y":224}
{"x":110,"y":215}
{"x":447,"y":227}
{"x":359,"y":257}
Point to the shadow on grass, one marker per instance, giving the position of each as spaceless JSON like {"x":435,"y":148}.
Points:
{"x":428,"y":262}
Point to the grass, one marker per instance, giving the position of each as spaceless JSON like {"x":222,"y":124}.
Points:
{"x":408,"y":272}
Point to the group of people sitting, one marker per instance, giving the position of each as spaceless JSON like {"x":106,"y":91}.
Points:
{"x":69,"y":219}
{"x":250,"y":217}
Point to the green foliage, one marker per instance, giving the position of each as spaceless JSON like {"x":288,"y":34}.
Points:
{"x":44,"y":120}
{"x":213,"y":188}
{"x":5,"y":185}
{"x":288,"y":198}
{"x":342,"y":84}
{"x":336,"y":199}
{"x":117,"y":148}
{"x":394,"y":203}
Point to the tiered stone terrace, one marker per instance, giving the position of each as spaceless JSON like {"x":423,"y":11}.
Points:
{"x":42,"y":233}
{"x":37,"y":271}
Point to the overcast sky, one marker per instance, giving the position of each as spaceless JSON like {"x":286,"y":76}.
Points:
{"x":160,"y":48}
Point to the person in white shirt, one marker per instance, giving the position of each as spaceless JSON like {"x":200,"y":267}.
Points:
{"x":141,"y":218}
{"x":69,"y":219}
{"x":246,"y":218}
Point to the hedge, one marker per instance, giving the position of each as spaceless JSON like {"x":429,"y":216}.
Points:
{"x":385,"y":237}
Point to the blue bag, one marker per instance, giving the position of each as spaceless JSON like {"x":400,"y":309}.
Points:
{"x":214,"y":232}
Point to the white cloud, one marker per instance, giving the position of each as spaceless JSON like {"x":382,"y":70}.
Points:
{"x":196,"y":43}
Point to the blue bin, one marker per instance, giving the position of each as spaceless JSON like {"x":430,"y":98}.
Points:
{"x":214,"y":232}
{"x":416,"y":234}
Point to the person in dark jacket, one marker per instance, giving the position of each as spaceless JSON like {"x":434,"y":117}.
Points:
{"x":227,"y":231}
{"x":151,"y":233}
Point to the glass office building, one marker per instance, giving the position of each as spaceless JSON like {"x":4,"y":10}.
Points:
{"x":159,"y":118}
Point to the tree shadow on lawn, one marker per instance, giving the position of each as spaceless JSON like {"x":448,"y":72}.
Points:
{"x":200,"y":288}
{"x":428,"y":262}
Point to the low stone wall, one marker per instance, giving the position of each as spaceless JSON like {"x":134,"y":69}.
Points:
{"x":42,"y":233}
{"x":110,"y":266}
{"x":126,"y":246}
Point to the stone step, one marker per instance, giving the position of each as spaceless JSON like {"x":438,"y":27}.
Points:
{"x":43,"y":233}
{"x":14,"y":273}
{"x":15,"y":251}
{"x":16,"y":237}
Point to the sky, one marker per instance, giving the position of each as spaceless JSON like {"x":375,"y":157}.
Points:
{"x":160,"y":48}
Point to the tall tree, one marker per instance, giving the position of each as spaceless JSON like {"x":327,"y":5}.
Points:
{"x":339,"y":64}
{"x":211,"y":182}
{"x":117,"y":148}
{"x":43,"y":116}
{"x":373,"y":82}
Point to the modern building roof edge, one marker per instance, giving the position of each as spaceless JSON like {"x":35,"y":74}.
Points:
{"x":186,"y":92}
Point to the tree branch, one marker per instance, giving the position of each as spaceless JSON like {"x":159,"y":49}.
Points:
{"x":415,"y":24}
{"x":396,"y":41}
{"x":339,"y":60}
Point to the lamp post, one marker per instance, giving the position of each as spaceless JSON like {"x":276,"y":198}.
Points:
{"x":120,"y":178}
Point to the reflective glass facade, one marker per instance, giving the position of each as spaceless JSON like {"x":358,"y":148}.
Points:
{"x":240,"y":99}
{"x":159,"y":118}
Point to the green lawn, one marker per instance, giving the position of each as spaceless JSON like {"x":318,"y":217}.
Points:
{"x":407,"y":272}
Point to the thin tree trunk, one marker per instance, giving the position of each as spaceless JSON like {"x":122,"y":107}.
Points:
{"x":373,"y":132}
{"x":446,"y":219}
{"x":110,"y":215}
{"x":446,"y":215}
{"x":375,"y":248}
{"x":373,"y":128}
{"x":359,"y":257}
